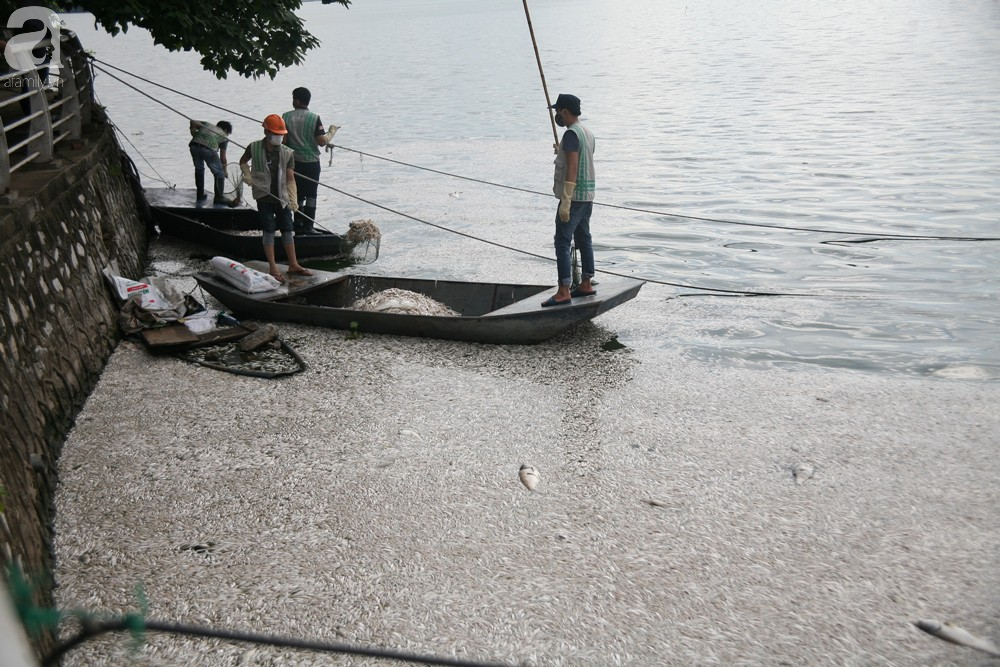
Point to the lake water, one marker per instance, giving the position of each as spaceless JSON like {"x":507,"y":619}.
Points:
{"x":810,"y":125}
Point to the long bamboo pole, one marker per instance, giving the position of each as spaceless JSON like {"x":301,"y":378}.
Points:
{"x":545,"y":89}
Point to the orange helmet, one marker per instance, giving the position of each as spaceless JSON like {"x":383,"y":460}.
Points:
{"x":275,"y":124}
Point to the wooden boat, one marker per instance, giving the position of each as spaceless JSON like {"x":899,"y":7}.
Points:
{"x":233,"y":231}
{"x":490,"y":312}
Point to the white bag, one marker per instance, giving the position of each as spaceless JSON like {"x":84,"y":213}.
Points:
{"x":150,"y":298}
{"x":202,"y":322}
{"x":247,"y":279}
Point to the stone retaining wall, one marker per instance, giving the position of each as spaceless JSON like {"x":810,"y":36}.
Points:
{"x":58,"y":321}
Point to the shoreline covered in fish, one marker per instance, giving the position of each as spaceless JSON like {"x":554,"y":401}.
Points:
{"x":694,"y":512}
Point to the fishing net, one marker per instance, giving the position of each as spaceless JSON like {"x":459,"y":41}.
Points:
{"x":275,"y":359}
{"x":363,"y":238}
{"x":233,"y":187}
{"x":403,"y":302}
{"x":361,"y":242}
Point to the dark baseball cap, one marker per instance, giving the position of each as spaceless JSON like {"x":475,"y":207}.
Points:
{"x":569,"y":102}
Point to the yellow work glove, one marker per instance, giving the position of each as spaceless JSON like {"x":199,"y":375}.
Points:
{"x":566,"y":200}
{"x":293,"y":196}
{"x":245,"y":170}
{"x":330,"y":132}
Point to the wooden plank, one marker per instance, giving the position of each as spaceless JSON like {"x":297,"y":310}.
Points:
{"x":178,"y":335}
{"x":183,"y":198}
{"x":605,"y":291}
{"x":222,"y":335}
{"x":175,"y":334}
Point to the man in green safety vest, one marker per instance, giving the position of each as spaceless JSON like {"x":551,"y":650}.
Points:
{"x":574,"y":186}
{"x":269,"y":167}
{"x":305,"y":136}
{"x":208,"y":147}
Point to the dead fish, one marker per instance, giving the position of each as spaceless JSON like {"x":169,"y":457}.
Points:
{"x":801,"y":472}
{"x":529,"y":476}
{"x":410,"y":435}
{"x":956,"y":635}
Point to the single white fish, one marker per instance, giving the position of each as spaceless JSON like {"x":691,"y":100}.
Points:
{"x":529,"y":476}
{"x":801,"y":472}
{"x":956,"y":635}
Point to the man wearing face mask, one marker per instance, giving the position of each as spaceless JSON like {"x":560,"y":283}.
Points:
{"x":574,"y":186}
{"x":269,"y":167}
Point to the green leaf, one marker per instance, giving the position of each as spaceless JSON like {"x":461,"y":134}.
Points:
{"x":252,"y":38}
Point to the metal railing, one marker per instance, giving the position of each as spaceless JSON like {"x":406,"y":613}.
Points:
{"x":41,"y":108}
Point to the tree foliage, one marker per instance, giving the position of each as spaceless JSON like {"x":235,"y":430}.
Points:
{"x":251,"y":38}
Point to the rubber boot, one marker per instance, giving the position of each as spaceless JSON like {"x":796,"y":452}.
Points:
{"x":298,"y":222}
{"x":308,"y":215}
{"x":199,"y":184}
{"x":220,"y":187}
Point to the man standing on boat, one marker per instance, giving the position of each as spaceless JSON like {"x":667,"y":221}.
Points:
{"x":208,"y":147}
{"x":305,"y":136}
{"x":269,"y":167}
{"x":574,"y":186}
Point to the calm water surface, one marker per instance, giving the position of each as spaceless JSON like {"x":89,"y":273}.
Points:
{"x":857,"y":118}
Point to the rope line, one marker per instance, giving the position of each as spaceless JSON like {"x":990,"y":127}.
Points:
{"x":550,"y":259}
{"x":118,"y":130}
{"x":518,"y":250}
{"x":135,"y":624}
{"x":470,"y":236}
{"x":875,"y":235}
{"x":879,"y":235}
{"x":158,"y":177}
{"x":173,"y":90}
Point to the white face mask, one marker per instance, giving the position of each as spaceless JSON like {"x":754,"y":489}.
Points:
{"x":275,"y":139}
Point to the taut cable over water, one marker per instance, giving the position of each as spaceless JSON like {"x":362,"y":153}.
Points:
{"x":868,"y":237}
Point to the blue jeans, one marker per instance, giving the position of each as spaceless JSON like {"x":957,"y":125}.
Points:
{"x":577,"y":229}
{"x":203,"y":155}
{"x":274,"y":216}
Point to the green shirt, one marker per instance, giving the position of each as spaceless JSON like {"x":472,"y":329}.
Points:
{"x":303,"y":126}
{"x":210,"y":135}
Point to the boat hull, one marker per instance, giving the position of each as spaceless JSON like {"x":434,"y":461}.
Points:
{"x":490,"y":313}
{"x":234,"y":232}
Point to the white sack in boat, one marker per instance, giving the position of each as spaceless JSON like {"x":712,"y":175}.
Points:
{"x":247,"y":279}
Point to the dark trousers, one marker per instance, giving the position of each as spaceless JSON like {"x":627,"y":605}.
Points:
{"x":307,"y":184}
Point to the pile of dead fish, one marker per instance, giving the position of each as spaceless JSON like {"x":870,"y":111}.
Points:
{"x":362,"y":230}
{"x":403,"y":302}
